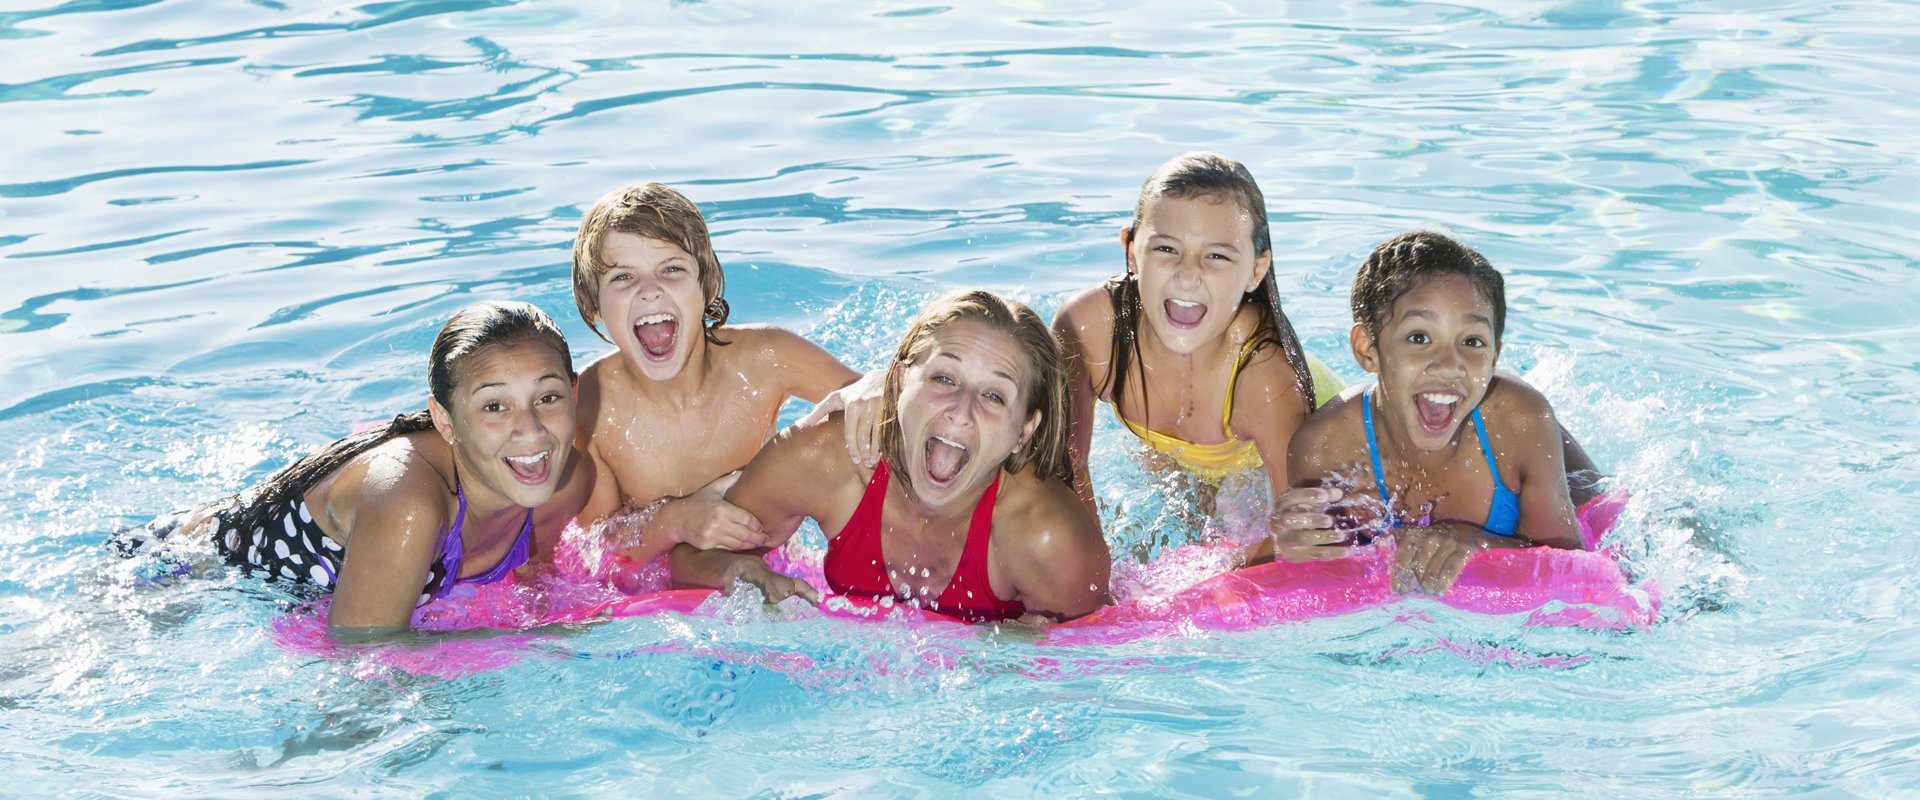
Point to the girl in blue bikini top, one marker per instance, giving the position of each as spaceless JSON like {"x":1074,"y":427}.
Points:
{"x":1428,"y":315}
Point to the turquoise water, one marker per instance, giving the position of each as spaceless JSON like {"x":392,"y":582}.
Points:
{"x":229,"y":231}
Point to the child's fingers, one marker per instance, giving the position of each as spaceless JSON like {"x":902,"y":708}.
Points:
{"x":804,"y":589}
{"x":730,"y":514}
{"x":1309,"y":497}
{"x":1303,"y":520}
{"x":1313,"y":553}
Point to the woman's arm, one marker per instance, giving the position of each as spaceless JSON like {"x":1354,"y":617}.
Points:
{"x":1055,"y":559}
{"x":800,"y":473}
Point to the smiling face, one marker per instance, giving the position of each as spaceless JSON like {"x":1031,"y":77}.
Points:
{"x":962,"y":412}
{"x":510,"y":421}
{"x":651,"y":302}
{"x":1434,"y":355}
{"x":1195,"y":260}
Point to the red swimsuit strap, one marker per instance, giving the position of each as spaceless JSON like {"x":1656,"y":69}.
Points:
{"x":969,"y":594}
{"x":856,"y":564}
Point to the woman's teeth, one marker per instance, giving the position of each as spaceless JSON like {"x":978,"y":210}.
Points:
{"x":945,"y":458}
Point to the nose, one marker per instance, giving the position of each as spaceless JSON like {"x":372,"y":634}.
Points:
{"x":1187,"y":273}
{"x":526,"y":422}
{"x":962,"y":408}
{"x":1448,"y":362}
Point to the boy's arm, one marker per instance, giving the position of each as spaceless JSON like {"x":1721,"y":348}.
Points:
{"x":603,"y":497}
{"x":806,"y":370}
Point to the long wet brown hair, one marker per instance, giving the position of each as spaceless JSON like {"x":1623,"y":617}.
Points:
{"x":1202,"y":174}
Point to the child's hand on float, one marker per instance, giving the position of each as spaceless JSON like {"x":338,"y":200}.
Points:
{"x":862,"y":402}
{"x":706,"y":520}
{"x":1428,"y":560}
{"x":775,"y":586}
{"x":1299,"y":529}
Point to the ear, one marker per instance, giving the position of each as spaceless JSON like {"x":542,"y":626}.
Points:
{"x":1126,"y":245}
{"x":1026,"y":431}
{"x":1363,"y":349}
{"x":1261,"y":265}
{"x":442,"y":421}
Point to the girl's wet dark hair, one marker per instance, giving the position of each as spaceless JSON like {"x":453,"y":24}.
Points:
{"x":1401,"y":263}
{"x":472,"y":330}
{"x":1203,"y":174}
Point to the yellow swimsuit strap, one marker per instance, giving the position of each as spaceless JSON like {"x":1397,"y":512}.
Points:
{"x":1210,"y":462}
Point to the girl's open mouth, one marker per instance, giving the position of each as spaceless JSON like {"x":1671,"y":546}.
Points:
{"x":1185,"y":314}
{"x":531,"y":470}
{"x":1435,"y":410}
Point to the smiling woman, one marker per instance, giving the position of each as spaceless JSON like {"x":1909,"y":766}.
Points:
{"x":395,"y":516}
{"x":970,"y":512}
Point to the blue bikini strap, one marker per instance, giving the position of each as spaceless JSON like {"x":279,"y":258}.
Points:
{"x":1503,"y":512}
{"x":1373,"y":449}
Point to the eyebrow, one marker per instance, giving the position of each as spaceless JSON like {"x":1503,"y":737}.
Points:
{"x":1001,"y":373}
{"x":1432,"y":317}
{"x":551,"y":376}
{"x":1222,"y":243}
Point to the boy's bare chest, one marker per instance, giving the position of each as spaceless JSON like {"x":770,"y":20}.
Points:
{"x":659,"y":449}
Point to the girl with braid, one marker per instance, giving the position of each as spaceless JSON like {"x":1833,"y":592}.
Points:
{"x":390,"y":518}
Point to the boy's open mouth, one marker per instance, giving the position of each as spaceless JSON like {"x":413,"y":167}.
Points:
{"x":657,"y":334}
{"x":1435,"y":410}
{"x":531,"y":470}
{"x":1185,"y":314}
{"x":945,"y":459}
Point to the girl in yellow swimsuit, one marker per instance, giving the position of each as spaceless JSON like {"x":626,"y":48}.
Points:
{"x":1194,"y":325}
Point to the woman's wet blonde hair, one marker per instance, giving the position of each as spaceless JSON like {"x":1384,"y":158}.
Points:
{"x":1044,"y":388}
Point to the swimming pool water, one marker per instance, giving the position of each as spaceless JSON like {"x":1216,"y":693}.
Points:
{"x":229,"y":231}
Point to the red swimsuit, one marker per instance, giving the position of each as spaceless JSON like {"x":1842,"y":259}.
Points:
{"x":856,"y":565}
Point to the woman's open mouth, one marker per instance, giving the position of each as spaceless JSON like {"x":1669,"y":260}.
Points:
{"x":945,"y":459}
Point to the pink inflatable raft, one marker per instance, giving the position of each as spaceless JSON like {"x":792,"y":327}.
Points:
{"x":1554,"y":587}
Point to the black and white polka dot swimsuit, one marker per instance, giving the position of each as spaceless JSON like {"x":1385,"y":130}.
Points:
{"x":288,"y":545}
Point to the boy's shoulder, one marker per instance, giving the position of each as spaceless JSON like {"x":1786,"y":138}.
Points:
{"x":755,"y":336}
{"x":598,"y":371}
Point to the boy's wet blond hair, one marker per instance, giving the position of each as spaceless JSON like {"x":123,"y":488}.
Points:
{"x":1044,"y":389}
{"x":654,"y":211}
